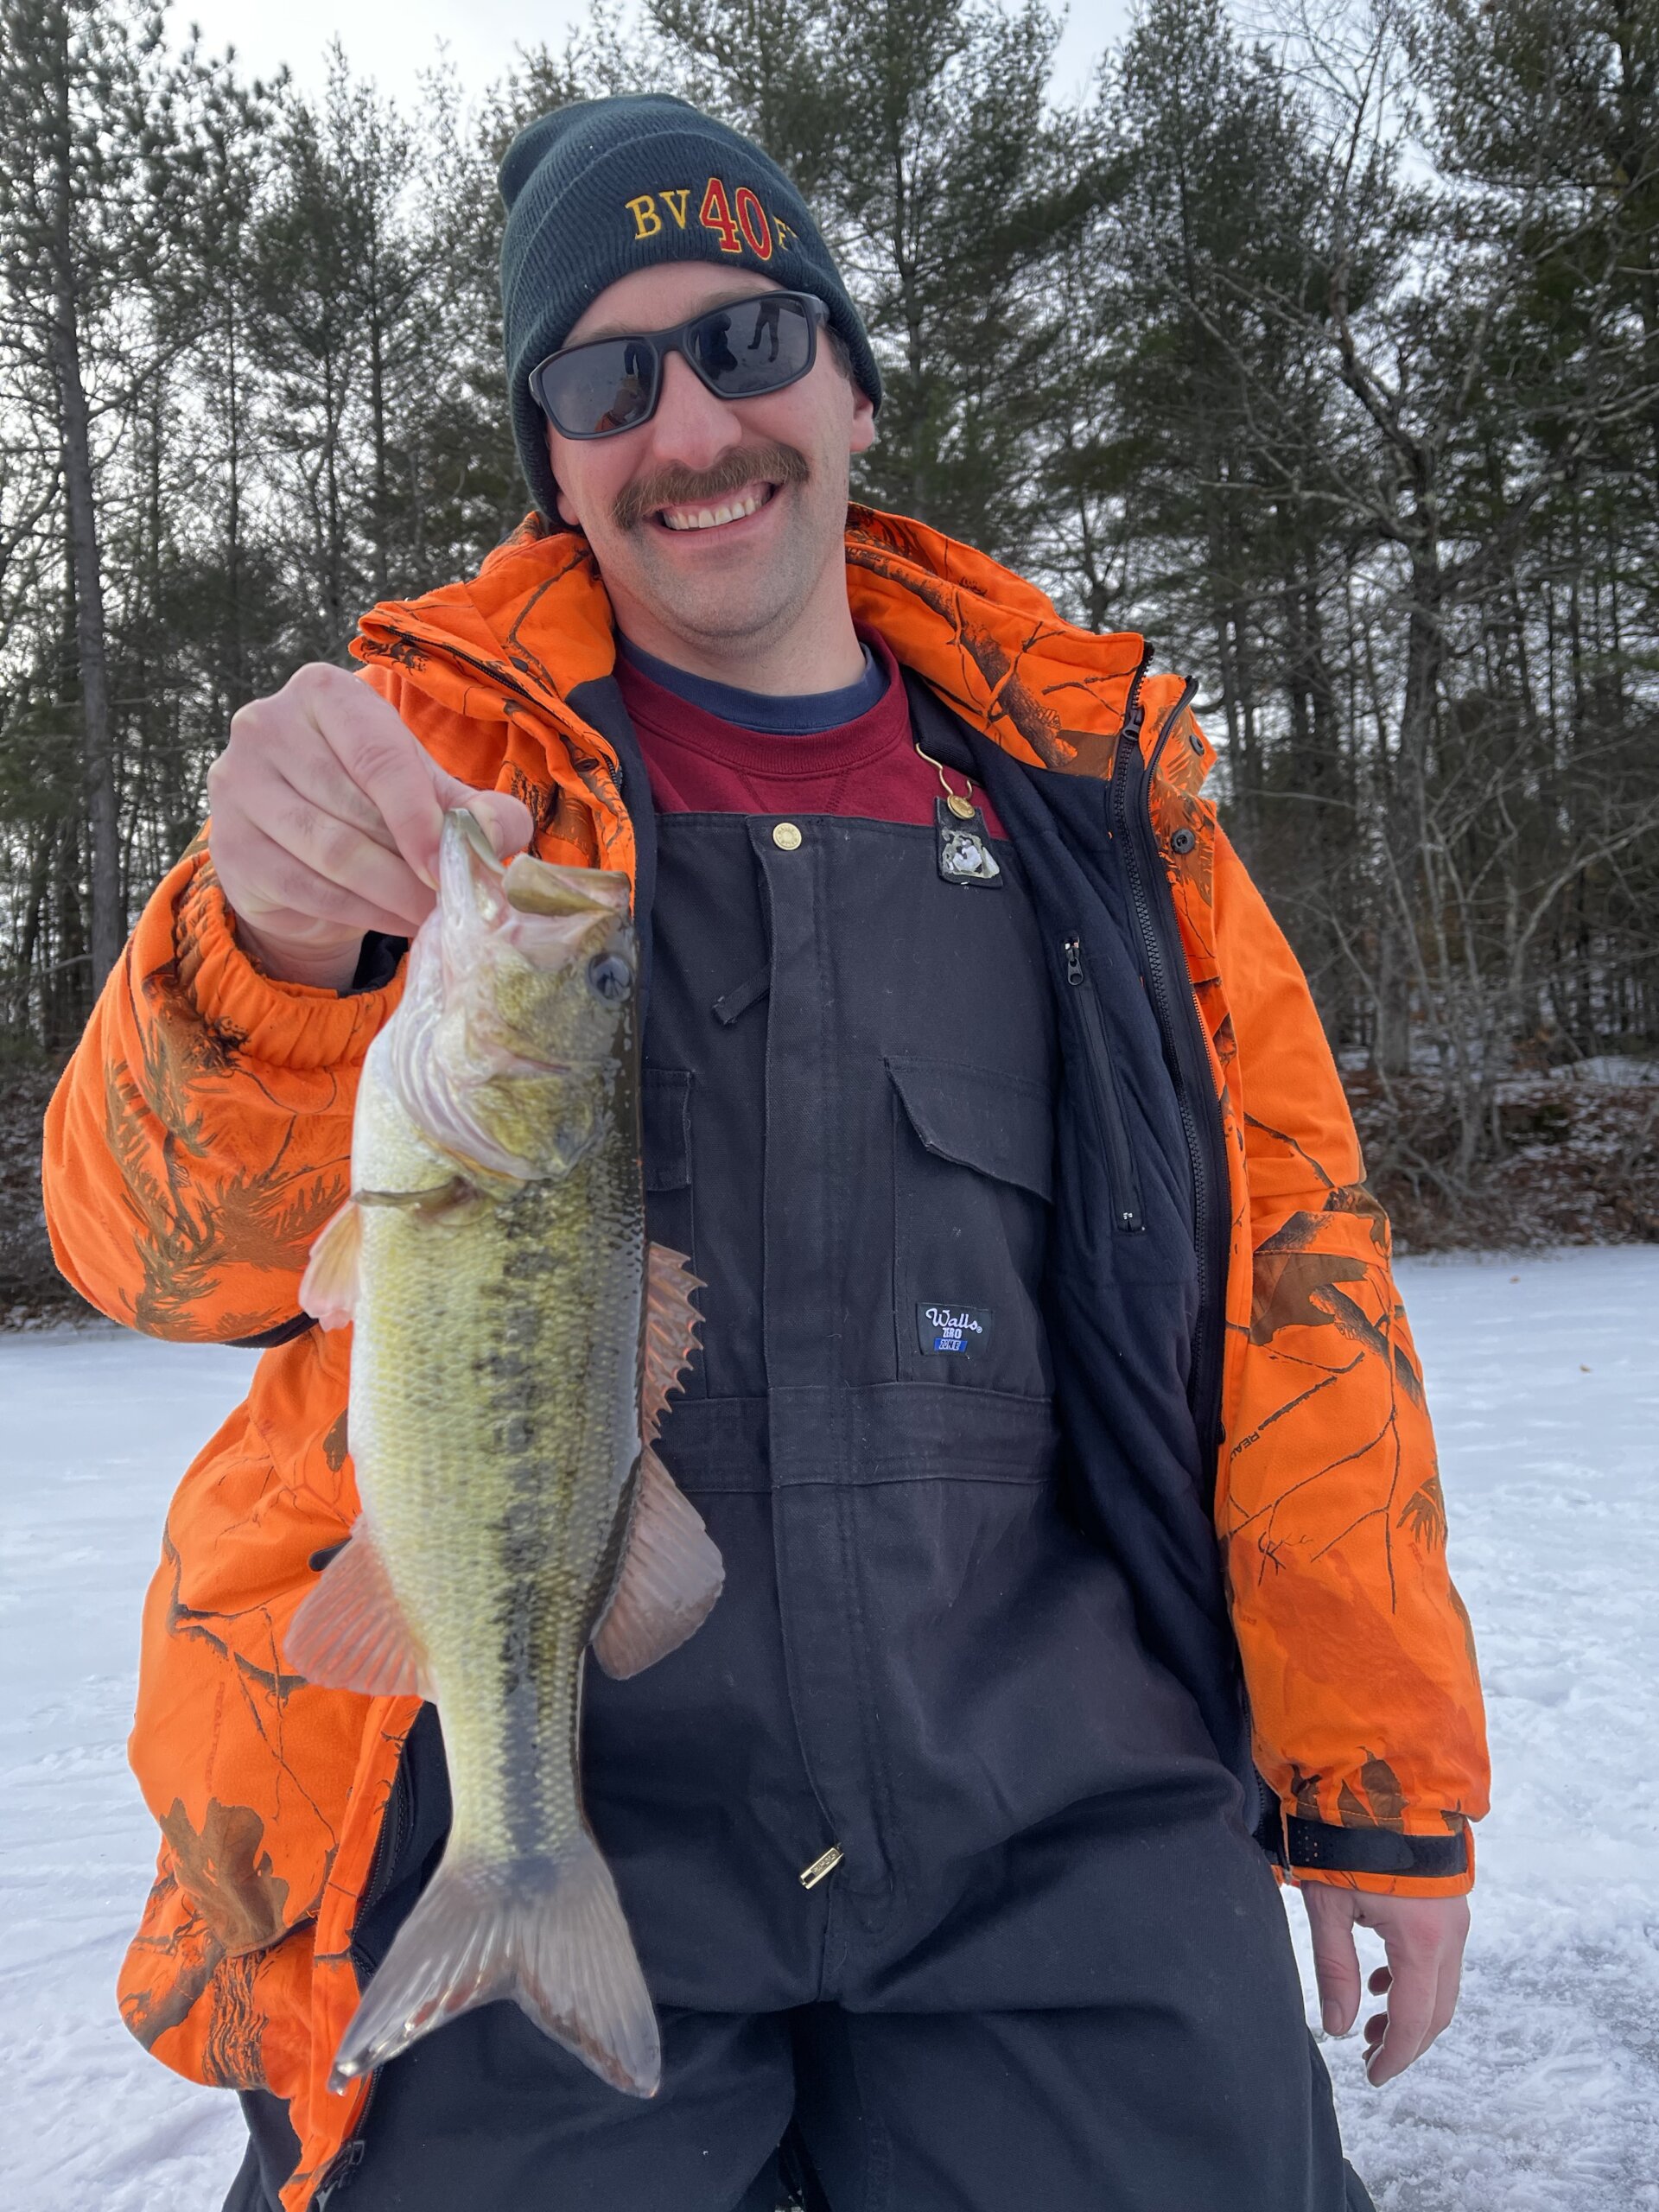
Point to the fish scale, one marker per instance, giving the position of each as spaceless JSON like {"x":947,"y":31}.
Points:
{"x":510,"y":1545}
{"x":508,"y":1370}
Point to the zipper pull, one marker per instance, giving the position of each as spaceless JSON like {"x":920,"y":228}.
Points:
{"x":826,"y":1864}
{"x":339,"y":2171}
{"x":1074,"y":961}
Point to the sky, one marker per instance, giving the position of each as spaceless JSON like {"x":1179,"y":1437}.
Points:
{"x":395,"y":39}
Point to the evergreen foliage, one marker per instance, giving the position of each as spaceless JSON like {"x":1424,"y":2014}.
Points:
{"x":1331,"y":360}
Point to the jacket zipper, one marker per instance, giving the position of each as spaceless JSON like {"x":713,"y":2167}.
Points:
{"x":1126,"y":1209}
{"x":338,"y":2172}
{"x":1177,"y":1015}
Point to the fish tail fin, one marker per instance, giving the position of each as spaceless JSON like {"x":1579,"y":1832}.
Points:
{"x":547,"y":1932}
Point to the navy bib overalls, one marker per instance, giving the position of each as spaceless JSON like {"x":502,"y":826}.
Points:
{"x":1036,"y":1960}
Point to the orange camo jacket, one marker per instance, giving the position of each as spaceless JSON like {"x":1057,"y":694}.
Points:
{"x":200,"y":1137}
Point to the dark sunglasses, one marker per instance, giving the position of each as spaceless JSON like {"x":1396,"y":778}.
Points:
{"x":741,"y":350}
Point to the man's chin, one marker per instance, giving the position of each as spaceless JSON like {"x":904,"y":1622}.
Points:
{"x":740,"y":595}
{"x":723,"y":624}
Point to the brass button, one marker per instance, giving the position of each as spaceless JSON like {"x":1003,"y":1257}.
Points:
{"x":961,"y":808}
{"x":785,"y":836}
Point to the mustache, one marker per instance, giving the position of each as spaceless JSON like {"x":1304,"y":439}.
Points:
{"x":688,"y":487}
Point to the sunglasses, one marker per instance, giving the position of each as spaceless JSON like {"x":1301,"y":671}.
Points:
{"x":738,"y":351}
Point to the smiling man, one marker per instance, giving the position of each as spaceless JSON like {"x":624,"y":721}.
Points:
{"x":1057,"y":1419}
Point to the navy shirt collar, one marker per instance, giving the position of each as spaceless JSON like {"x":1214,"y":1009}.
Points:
{"x":800,"y":716}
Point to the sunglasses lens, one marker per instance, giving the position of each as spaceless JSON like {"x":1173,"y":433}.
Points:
{"x":607,"y":386}
{"x":753,"y":345}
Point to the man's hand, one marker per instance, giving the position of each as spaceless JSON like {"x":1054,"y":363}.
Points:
{"x":327,"y":814}
{"x":1424,"y":1938}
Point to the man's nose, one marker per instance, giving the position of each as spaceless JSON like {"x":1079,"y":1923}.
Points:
{"x":691,"y":425}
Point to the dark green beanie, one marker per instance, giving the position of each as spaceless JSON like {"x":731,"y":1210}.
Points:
{"x":603,"y":186}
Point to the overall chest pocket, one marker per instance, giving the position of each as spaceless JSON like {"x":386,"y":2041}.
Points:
{"x":973,"y":1180}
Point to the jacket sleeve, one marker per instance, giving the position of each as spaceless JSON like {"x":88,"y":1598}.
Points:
{"x":200,"y":1136}
{"x":1357,"y":1651}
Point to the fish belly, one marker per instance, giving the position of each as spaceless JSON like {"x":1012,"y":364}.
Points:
{"x":495,"y":1429}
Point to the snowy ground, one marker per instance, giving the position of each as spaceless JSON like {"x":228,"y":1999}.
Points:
{"x":1545,"y":2097}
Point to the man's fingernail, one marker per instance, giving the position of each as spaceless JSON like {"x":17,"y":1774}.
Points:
{"x":1332,"y":2018}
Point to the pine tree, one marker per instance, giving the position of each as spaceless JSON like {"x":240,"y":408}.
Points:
{"x":920,"y":130}
{"x":86,"y":131}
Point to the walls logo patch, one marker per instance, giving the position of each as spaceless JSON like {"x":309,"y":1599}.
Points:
{"x":736,"y":218}
{"x":961,"y":1329}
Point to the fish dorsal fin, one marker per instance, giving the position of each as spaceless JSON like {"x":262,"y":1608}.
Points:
{"x":329,"y":1287}
{"x":350,"y":1633}
{"x":671,"y":1575}
{"x":671,"y":1325}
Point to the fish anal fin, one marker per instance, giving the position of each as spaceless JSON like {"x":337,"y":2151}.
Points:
{"x":329,"y":1287}
{"x":549,"y":1932}
{"x":349,"y":1632}
{"x":671,"y":1325}
{"x":671,"y":1575}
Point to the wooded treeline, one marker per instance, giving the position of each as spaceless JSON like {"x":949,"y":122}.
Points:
{"x":1328,"y":357}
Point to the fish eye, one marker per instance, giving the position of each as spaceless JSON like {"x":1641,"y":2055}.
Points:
{"x":609,"y":977}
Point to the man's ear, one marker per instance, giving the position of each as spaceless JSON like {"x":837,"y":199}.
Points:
{"x":862,"y":436}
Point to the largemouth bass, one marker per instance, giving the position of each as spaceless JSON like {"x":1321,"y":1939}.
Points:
{"x":514,"y":1345}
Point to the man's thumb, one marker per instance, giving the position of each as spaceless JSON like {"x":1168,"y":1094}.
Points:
{"x":1336,"y":1966}
{"x":506,"y":821}
{"x":1336,"y":1958}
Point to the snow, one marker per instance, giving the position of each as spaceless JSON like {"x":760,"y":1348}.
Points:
{"x":1544,"y":2097}
{"x":96,"y":1428}
{"x":1617,"y":1068}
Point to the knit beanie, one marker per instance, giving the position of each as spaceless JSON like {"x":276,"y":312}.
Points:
{"x":603,"y":186}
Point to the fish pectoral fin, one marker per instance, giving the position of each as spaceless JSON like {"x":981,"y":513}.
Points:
{"x":548,"y":1932}
{"x":671,"y":1325}
{"x":329,"y":1286}
{"x":671,"y":1575}
{"x":350,"y":1633}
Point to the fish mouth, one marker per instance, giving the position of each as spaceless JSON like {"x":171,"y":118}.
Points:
{"x":533,"y":886}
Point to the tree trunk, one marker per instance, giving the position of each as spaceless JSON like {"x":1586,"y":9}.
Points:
{"x":97,"y":755}
{"x":381,"y":580}
{"x":235,"y":653}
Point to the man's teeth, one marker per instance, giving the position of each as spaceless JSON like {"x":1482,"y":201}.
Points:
{"x":706,"y":517}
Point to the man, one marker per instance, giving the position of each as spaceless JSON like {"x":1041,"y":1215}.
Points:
{"x":992,"y":1110}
